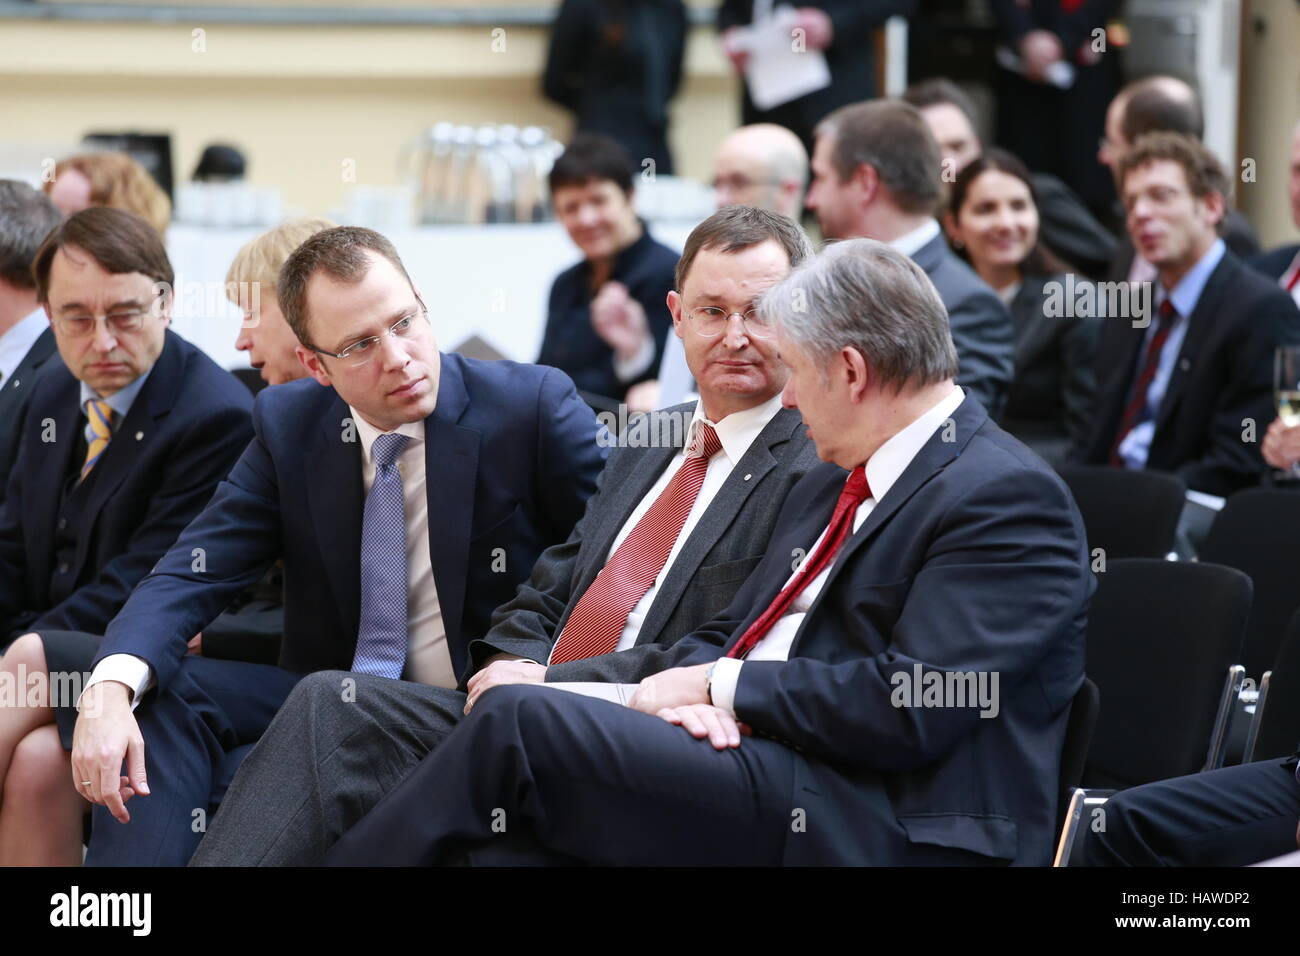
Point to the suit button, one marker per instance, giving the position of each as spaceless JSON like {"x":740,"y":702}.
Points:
{"x":63,"y":568}
{"x":63,"y":524}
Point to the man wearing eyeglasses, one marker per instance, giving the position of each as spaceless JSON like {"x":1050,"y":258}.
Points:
{"x":662,"y":547}
{"x":407,"y":492}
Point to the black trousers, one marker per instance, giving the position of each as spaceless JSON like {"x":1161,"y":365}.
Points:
{"x":535,"y":774}
{"x":1229,"y":817}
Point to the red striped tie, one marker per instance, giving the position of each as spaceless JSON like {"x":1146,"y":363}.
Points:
{"x":856,"y":490}
{"x":1133,"y":414}
{"x":598,"y":620}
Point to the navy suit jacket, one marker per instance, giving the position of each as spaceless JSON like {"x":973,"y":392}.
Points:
{"x":974,"y":561}
{"x":15,"y":396}
{"x":1275,"y":262}
{"x":511,"y":457}
{"x":185,"y":429}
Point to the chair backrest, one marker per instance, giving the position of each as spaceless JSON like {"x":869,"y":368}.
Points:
{"x":1258,"y":531}
{"x":1078,"y":739}
{"x":1161,"y":637}
{"x":1128,"y":514}
{"x":1279,"y":722}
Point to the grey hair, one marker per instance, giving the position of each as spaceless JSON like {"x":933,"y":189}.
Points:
{"x":26,"y":217}
{"x":865,"y":295}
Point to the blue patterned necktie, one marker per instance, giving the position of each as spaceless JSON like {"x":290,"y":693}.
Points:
{"x":381,"y":640}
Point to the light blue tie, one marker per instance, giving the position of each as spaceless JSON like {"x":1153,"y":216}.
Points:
{"x":382,"y":640}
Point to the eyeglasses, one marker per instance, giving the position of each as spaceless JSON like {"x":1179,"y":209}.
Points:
{"x":709,"y":321}
{"x":80,"y":326}
{"x":363,"y":350}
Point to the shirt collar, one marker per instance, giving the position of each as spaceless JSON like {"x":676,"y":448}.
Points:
{"x":738,"y":430}
{"x":1188,"y":291}
{"x":892,"y":458}
{"x":120,"y":401}
{"x":18,"y":341}
{"x":910,"y":243}
{"x":368,"y":432}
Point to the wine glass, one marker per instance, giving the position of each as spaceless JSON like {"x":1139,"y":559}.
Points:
{"x":1286,"y":392}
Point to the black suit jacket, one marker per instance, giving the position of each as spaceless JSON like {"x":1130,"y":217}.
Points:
{"x":980,"y":324}
{"x":1221,"y":383}
{"x":723,"y":548}
{"x":510,"y":456}
{"x":15,"y":394}
{"x":975,"y":562}
{"x":1275,"y":262}
{"x":185,"y":429}
{"x":1069,"y":229}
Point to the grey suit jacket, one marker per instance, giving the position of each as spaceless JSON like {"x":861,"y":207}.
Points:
{"x":980,"y":323}
{"x":724,"y":546}
{"x":15,"y":393}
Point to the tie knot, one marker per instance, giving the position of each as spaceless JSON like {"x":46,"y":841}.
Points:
{"x":856,"y":490}
{"x":1167,"y":310}
{"x":99,"y":413}
{"x":706,"y":443}
{"x":387,"y":448}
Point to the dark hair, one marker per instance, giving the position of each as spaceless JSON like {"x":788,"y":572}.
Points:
{"x":341,"y":254}
{"x":892,"y":137}
{"x":734,"y":228}
{"x":120,"y":241}
{"x":218,"y":164}
{"x":26,"y":218}
{"x":940,"y":91}
{"x":1039,"y":260}
{"x":1204,"y":173}
{"x":592,"y":156}
{"x":1150,"y":108}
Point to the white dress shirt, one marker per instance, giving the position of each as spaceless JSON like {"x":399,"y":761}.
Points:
{"x":18,"y":341}
{"x":883,"y":470}
{"x":736,"y":433}
{"x":910,"y":243}
{"x":428,"y":659}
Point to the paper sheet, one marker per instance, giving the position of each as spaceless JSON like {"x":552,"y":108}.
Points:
{"x":777,"y":71}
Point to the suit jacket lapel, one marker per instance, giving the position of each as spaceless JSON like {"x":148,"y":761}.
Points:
{"x":1199,"y":325}
{"x":18,"y":385}
{"x":451,"y":453}
{"x":717,"y":519}
{"x":934,"y":456}
{"x":336,"y":499}
{"x":41,"y":506}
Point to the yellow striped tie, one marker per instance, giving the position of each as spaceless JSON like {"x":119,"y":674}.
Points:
{"x":100,"y":415}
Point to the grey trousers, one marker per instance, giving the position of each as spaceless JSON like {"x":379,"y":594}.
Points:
{"x":339,"y":744}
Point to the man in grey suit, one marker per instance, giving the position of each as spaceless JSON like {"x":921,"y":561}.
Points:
{"x":26,"y":339}
{"x":683,"y":514}
{"x":876,"y":174}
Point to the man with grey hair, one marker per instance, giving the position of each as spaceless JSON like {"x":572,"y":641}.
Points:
{"x":26,"y":338}
{"x":900,"y":698}
{"x":876,"y":173}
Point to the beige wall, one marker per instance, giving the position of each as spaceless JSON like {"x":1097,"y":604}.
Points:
{"x":1269,"y":109}
{"x":301,"y":100}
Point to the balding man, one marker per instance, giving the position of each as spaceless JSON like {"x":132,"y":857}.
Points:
{"x":1160,"y":104}
{"x":763,"y":165}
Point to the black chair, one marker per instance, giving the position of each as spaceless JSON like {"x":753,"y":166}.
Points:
{"x":1078,"y":738}
{"x":1162,"y":639}
{"x":1275,"y":729}
{"x":1128,"y":514}
{"x":1162,"y":635}
{"x":1258,"y":531}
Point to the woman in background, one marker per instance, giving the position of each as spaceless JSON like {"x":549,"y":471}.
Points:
{"x":992,"y":222}
{"x":109,"y":179}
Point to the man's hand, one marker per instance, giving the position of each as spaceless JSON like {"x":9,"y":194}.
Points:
{"x":643,"y":397}
{"x":818,"y":30}
{"x":736,"y":51}
{"x":106,"y":732}
{"x":705,"y":720}
{"x":1039,"y":49}
{"x":195,"y":646}
{"x":620,"y":320}
{"x":1281,"y":444}
{"x":675,"y":687}
{"x":502,"y":672}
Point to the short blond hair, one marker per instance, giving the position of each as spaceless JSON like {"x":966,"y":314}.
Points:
{"x":261,"y":258}
{"x":119,"y":182}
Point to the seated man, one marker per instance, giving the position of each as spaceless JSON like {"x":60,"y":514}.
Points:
{"x":124,"y":442}
{"x":1229,"y":817}
{"x":1184,"y":387}
{"x":407,"y":492}
{"x":900,"y":699}
{"x":325,"y":761}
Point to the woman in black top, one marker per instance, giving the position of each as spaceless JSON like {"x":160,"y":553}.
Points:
{"x":992,"y":222}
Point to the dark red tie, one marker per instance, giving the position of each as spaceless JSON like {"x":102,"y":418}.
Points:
{"x":856,"y":490}
{"x":1138,"y":403}
{"x":1294,"y":277}
{"x":601,"y":614}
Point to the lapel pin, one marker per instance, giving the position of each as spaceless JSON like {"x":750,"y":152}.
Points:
{"x":1184,"y":364}
{"x":139,"y":435}
{"x":747,"y":477}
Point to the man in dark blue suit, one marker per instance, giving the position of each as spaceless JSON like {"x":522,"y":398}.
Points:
{"x":408,"y":493}
{"x":901,"y":698}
